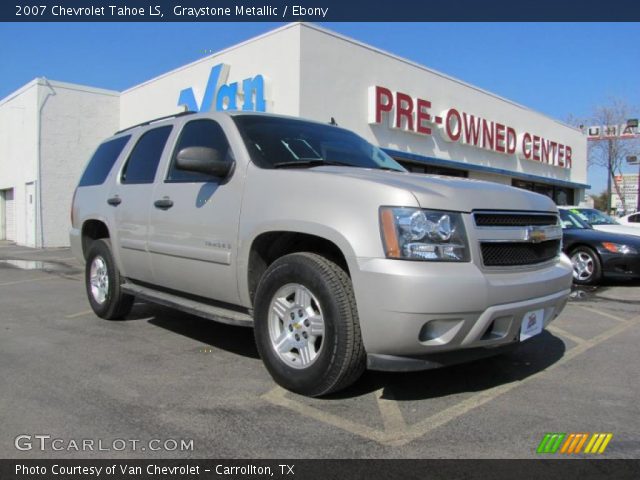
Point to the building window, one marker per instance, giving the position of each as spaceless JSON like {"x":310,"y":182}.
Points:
{"x":416,"y":167}
{"x":560,"y":195}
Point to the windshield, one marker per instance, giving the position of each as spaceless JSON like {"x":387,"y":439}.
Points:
{"x":595,"y":217}
{"x":275,"y":142}
{"x":572,"y":220}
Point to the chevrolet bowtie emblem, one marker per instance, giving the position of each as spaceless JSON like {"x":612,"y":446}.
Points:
{"x":535,"y":235}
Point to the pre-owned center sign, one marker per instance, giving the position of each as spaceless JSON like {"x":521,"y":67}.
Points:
{"x":415,"y":115}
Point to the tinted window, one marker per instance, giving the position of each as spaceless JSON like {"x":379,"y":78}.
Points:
{"x":276,"y":142}
{"x":634,"y":218}
{"x":571,"y":220}
{"x":198,"y":133}
{"x":143,"y":162}
{"x":102,"y":161}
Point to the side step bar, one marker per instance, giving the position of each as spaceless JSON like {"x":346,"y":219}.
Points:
{"x":219,"y":314}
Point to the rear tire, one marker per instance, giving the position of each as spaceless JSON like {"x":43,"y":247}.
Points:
{"x":306,"y":325}
{"x":103,"y":283}
{"x":587,"y":268}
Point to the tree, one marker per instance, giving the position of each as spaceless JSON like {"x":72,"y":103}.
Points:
{"x":601,"y":202}
{"x":611,"y":151}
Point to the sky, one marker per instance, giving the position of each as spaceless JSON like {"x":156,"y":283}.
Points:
{"x":559,"y":69}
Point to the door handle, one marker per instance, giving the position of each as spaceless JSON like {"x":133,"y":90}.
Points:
{"x":115,"y":201}
{"x":163,"y":204}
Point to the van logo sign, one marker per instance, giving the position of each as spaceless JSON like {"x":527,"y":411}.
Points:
{"x":219,"y":95}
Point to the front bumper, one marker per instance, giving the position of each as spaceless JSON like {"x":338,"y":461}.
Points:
{"x":412,"y":309}
{"x":394,"y":363}
{"x":620,"y":266}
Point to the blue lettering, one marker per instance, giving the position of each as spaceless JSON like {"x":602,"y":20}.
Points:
{"x":228,"y":93}
{"x":224,"y":96}
{"x":251,"y":86}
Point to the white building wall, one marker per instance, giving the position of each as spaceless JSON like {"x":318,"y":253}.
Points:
{"x":74,"y":120}
{"x":336,"y":73}
{"x":274,"y":55}
{"x":19,"y":150}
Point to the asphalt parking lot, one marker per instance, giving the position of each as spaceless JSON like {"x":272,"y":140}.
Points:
{"x":164,"y":375}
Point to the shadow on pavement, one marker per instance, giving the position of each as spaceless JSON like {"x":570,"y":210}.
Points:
{"x":237,"y":340}
{"x":530,"y":358}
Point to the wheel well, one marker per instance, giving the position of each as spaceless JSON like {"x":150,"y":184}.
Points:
{"x":581,"y":245}
{"x":92,"y":230}
{"x":268,"y":247}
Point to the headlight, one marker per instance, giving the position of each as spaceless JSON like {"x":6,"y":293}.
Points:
{"x":619,"y":248}
{"x":416,"y":234}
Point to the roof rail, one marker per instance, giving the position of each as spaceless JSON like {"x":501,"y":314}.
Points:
{"x":149,"y":122}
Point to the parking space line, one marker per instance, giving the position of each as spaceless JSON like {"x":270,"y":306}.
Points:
{"x":390,"y":411}
{"x":431,"y":423}
{"x":396,"y":435}
{"x":564,"y":333}
{"x":79,"y":314}
{"x":604,"y":314}
{"x":277,"y":397}
{"x":37,"y":279}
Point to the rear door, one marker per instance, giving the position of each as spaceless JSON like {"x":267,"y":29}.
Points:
{"x":130,"y":197}
{"x":194,"y":221}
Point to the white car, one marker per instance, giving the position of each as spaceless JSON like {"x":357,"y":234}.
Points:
{"x":603,"y":222}
{"x":632,"y":220}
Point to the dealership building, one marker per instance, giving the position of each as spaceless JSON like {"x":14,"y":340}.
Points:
{"x":428,"y":121}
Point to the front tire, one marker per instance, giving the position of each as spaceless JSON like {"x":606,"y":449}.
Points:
{"x":103,"y":283}
{"x":587,"y":268}
{"x":306,"y":325}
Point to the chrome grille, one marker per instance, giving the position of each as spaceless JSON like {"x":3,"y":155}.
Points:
{"x":510,"y":239}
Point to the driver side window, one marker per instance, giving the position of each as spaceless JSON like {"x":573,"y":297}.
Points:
{"x":198,"y":133}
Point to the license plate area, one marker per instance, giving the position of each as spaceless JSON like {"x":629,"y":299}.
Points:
{"x":531,"y":324}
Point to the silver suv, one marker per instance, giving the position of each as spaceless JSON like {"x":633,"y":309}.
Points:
{"x":337,"y":256}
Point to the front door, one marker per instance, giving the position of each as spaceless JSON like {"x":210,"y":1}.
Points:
{"x":194,"y":222}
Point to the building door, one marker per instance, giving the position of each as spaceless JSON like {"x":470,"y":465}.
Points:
{"x":30,"y":204}
{"x":9,"y":216}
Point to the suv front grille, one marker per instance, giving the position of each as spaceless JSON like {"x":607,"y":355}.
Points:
{"x":495,"y":254}
{"x":513,"y":220}
{"x":510,"y":239}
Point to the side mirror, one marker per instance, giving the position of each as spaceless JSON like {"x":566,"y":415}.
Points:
{"x":203,"y":160}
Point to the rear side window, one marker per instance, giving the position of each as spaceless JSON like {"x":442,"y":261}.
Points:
{"x":102,"y":161}
{"x":144,"y":158}
{"x":198,"y":133}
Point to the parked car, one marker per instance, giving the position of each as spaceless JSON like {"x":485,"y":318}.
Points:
{"x":601,"y":221}
{"x":632,"y":220}
{"x":596,"y":254}
{"x":337,"y":256}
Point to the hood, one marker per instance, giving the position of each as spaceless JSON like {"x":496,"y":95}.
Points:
{"x":620,"y":229}
{"x":448,"y":193}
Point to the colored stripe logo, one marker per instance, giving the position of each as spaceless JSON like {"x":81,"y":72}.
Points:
{"x":573,"y":443}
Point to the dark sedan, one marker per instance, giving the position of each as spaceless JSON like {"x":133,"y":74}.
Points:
{"x":595,"y":254}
